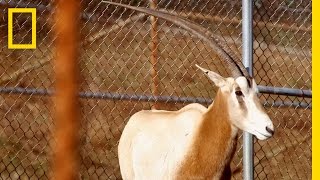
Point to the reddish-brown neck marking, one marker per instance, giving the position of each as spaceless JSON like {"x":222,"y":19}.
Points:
{"x":213,"y":146}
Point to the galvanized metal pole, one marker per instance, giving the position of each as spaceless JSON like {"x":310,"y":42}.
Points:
{"x":247,"y":53}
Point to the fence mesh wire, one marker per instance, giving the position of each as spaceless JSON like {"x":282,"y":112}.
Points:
{"x":115,"y":57}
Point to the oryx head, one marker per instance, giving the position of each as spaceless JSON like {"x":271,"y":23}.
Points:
{"x":244,"y":108}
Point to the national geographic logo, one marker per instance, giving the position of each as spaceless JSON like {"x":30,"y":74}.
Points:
{"x":33,"y":12}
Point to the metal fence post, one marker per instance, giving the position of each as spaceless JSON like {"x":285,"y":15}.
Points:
{"x":154,"y":53}
{"x":247,"y":52}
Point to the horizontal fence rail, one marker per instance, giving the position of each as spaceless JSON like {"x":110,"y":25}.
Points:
{"x":285,"y":91}
{"x":149,"y":98}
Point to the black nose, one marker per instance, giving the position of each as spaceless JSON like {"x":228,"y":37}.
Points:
{"x":270,"y":130}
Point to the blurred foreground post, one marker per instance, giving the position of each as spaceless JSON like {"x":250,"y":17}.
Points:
{"x":66,"y":118}
{"x":154,"y":53}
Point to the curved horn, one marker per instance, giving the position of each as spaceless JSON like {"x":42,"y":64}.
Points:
{"x":234,"y":64}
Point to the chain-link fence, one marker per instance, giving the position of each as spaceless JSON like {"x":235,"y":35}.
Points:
{"x":119,"y":78}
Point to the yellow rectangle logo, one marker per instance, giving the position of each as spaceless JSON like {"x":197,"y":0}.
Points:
{"x":33,"y":12}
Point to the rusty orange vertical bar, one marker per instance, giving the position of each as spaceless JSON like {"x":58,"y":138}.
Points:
{"x":65,"y":160}
{"x":154,"y":53}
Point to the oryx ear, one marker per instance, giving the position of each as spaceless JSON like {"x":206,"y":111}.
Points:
{"x":216,"y":78}
{"x":254,"y":85}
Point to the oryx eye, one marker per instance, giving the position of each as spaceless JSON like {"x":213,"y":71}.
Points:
{"x":239,"y":93}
